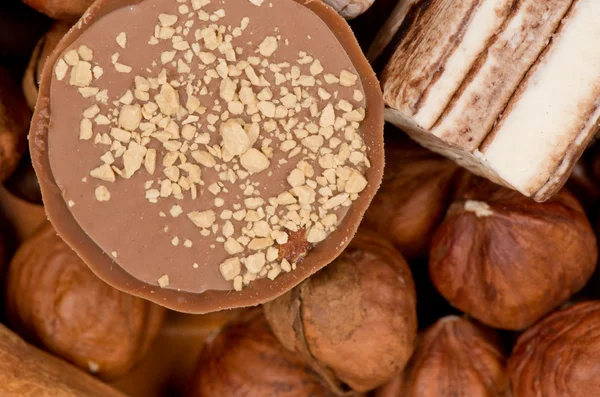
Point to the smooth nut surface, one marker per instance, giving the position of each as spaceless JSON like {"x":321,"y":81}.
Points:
{"x":28,"y":372}
{"x":453,"y":358}
{"x":355,"y":321}
{"x":14,"y":124}
{"x":54,"y":300}
{"x":559,"y":356}
{"x":413,"y":196}
{"x":507,"y":260}
{"x":245,"y":359}
{"x":60,"y":9}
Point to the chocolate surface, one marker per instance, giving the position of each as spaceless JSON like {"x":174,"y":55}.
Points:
{"x":145,"y":253}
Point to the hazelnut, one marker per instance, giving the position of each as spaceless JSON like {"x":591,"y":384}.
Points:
{"x":54,"y":300}
{"x":350,"y":9}
{"x":354,"y":321}
{"x":28,"y":372}
{"x":60,"y":9}
{"x":507,"y":260}
{"x":453,"y":357}
{"x":23,"y":183}
{"x":245,"y":359}
{"x":413,"y":197}
{"x":43,"y":49}
{"x":559,"y":356}
{"x":14,"y":124}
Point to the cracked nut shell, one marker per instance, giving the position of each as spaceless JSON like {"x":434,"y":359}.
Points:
{"x":55,"y":301}
{"x":559,"y":356}
{"x":453,"y":358}
{"x":507,"y":260}
{"x":412,"y":198}
{"x":245,"y":359}
{"x":355,"y":321}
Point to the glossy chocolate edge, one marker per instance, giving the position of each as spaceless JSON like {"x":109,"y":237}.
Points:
{"x":259,"y":291}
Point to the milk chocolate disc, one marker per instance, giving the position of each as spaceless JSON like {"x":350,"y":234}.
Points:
{"x":208,"y":155}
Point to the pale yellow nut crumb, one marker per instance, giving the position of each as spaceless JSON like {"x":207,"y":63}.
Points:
{"x":60,"y":70}
{"x":202,"y":219}
{"x":163,"y":281}
{"x":102,"y":193}
{"x":81,"y":74}
{"x":254,"y":161}
{"x":230,"y":268}
{"x":268,"y":46}
{"x":347,"y":79}
{"x":104,"y":172}
{"x":122,"y":39}
{"x":85,"y":129}
{"x":85,"y":53}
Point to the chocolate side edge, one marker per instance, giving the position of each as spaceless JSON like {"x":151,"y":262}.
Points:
{"x":259,"y":291}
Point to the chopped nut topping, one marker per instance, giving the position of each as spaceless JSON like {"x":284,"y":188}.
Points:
{"x":102,"y":193}
{"x":217,"y":115}
{"x":163,"y":281}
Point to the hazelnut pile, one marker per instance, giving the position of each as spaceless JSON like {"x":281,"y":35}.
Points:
{"x":47,"y":286}
{"x":298,"y":112}
{"x":519,"y":278}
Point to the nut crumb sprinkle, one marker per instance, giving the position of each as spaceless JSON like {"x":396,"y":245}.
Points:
{"x":211,"y":121}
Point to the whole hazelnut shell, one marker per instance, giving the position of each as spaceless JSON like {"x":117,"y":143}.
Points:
{"x":507,"y":260}
{"x":245,"y":359}
{"x":28,"y":372}
{"x":453,"y":358}
{"x":559,"y":356}
{"x":413,"y":196}
{"x":350,"y":9}
{"x":23,"y":183}
{"x":60,"y":9}
{"x":14,"y":124}
{"x":354,"y":321}
{"x":55,"y":301}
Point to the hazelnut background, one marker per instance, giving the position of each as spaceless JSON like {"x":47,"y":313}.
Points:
{"x":355,"y":320}
{"x":60,"y":9}
{"x":560,"y":355}
{"x":28,"y":372}
{"x":413,"y":196}
{"x":14,"y":124}
{"x":453,"y":358}
{"x":23,"y":183}
{"x":507,"y":260}
{"x":55,"y":301}
{"x":245,"y":359}
{"x":350,"y":9}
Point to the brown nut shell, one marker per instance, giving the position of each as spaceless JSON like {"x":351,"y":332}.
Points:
{"x":259,"y":291}
{"x":28,"y":372}
{"x":453,"y":358}
{"x":559,"y":356}
{"x":14,"y":124}
{"x":355,"y":320}
{"x":413,"y":196}
{"x":60,"y":9}
{"x":54,"y":300}
{"x":245,"y":359}
{"x":507,"y":260}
